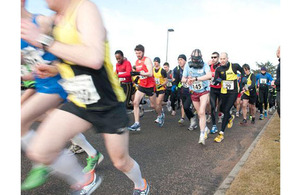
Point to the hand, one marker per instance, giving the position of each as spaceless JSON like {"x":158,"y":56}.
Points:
{"x":217,"y":81}
{"x":44,"y":70}
{"x":133,"y":73}
{"x":30,"y":32}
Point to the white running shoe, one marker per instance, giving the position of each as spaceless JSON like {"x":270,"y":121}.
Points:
{"x":202,"y":138}
{"x":208,"y":119}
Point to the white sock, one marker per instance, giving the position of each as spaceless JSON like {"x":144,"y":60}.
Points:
{"x":81,"y":141}
{"x":136,"y":176}
{"x":25,"y":140}
{"x":67,"y":167}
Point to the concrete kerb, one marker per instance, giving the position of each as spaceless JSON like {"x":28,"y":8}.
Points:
{"x":229,"y":179}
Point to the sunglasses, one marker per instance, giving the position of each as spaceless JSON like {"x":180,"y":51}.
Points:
{"x":214,"y":57}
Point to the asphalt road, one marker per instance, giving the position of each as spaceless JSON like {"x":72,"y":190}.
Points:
{"x":170,"y":158}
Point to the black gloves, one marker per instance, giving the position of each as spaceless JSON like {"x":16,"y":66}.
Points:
{"x":133,"y":73}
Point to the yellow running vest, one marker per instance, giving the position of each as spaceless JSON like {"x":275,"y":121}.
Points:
{"x":105,"y":81}
{"x":249,"y":82}
{"x":159,"y":79}
{"x":229,"y":82}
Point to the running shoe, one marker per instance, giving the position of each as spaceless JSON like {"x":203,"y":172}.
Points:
{"x":250,"y":117}
{"x":89,"y":188}
{"x":193,"y":124}
{"x":261,"y":117}
{"x":202,"y":138}
{"x":206,"y":132}
{"x":169,"y":107}
{"x":237,"y":114}
{"x":161,"y":120}
{"x":141,"y":111}
{"x":220,"y":137}
{"x":208,"y":118}
{"x":157,"y":120}
{"x":230,"y":123}
{"x":244,"y":122}
{"x":144,"y":191}
{"x":92,"y":162}
{"x":214,"y":129}
{"x":173,"y":113}
{"x":135,"y":127}
{"x":76,"y":149}
{"x":36,"y":177}
{"x":266,"y":114}
{"x":181,"y":121}
{"x":253,"y":120}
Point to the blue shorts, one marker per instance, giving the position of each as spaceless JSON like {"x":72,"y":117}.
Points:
{"x":50,"y":86}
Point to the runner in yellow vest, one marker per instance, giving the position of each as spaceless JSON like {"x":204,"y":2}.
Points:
{"x":160,"y":76}
{"x":249,"y":94}
{"x":226,"y":74}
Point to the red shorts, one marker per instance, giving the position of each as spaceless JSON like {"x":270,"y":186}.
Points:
{"x":196,"y":96}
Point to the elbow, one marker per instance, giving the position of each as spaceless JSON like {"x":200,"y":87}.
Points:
{"x":95,"y":62}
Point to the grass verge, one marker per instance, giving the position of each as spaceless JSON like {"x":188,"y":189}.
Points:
{"x":261,"y":172}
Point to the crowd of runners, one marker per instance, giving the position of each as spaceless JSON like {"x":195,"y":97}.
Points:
{"x":67,"y":72}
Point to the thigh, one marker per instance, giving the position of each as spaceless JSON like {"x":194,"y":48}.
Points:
{"x":160,"y":98}
{"x":203,"y":101}
{"x":117,"y":145}
{"x":56,"y":130}
{"x":138,"y":96}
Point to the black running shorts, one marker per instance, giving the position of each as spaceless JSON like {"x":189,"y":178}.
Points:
{"x":252,"y":98}
{"x":114,"y":120}
{"x":148,"y":91}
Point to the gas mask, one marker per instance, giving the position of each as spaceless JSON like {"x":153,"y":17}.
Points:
{"x":196,"y":59}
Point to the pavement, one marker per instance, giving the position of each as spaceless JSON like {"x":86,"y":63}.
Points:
{"x":170,"y":158}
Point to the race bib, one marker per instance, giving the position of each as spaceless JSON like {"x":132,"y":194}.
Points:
{"x":157,"y":81}
{"x":263,"y":81}
{"x":82,"y":87}
{"x":142,"y":77}
{"x":229,"y":85}
{"x":197,"y":85}
{"x":169,"y":84}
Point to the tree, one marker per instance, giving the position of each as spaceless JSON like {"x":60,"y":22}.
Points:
{"x":269,"y":66}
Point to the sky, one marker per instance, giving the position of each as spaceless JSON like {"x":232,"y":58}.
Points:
{"x":245,"y":29}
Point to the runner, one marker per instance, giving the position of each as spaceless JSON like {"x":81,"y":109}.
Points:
{"x":185,"y":96}
{"x":215,"y":92}
{"x":264,"y":80}
{"x":160,"y":76}
{"x":167,"y":98}
{"x":144,"y":69}
{"x":226,"y":74}
{"x":49,"y":94}
{"x":276,"y":83}
{"x":123,"y":69}
{"x":196,"y":75}
{"x":95,"y":96}
{"x":249,"y":94}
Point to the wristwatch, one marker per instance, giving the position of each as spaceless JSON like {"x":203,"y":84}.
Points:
{"x":46,"y":41}
{"x":196,"y":78}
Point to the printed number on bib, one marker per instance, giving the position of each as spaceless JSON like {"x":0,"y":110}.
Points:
{"x":82,"y":87}
{"x":229,"y":85}
{"x":157,"y":81}
{"x":263,"y":81}
{"x":197,"y":85}
{"x":169,"y":84}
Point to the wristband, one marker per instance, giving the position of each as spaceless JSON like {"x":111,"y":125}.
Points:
{"x":46,"y":41}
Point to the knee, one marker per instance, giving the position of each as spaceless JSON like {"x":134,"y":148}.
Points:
{"x":136,"y":103}
{"x":201,"y":114}
{"x":121,"y":163}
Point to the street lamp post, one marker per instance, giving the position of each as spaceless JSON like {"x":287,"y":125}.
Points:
{"x":169,"y":30}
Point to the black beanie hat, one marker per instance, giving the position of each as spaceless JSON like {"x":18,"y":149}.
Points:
{"x":182,"y":56}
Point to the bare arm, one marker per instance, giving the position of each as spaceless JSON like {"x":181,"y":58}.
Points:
{"x":149,"y":65}
{"x":90,"y":53}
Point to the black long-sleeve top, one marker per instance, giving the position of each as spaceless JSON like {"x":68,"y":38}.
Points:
{"x":221,"y":73}
{"x":277,"y":81}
